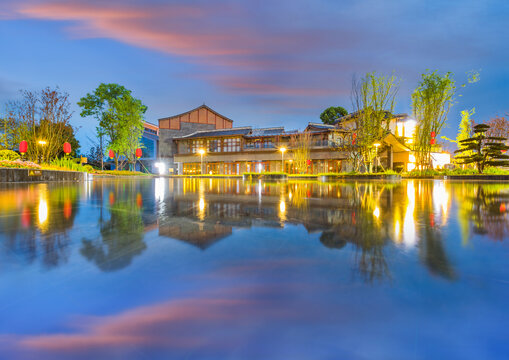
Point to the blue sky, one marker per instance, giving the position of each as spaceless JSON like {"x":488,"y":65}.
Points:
{"x":259,"y":63}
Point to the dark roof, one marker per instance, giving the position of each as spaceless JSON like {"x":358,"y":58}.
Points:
{"x":266,"y":132}
{"x":199,"y":107}
{"x":320,"y":126}
{"x":218,"y":132}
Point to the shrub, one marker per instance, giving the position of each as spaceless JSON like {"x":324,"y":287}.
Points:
{"x":9,"y":155}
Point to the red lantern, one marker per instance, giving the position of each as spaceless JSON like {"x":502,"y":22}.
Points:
{"x":67,"y":148}
{"x":111,"y":154}
{"x":138,"y":153}
{"x":433,"y":134}
{"x":308,"y":162}
{"x":432,"y":141}
{"x":23,"y":147}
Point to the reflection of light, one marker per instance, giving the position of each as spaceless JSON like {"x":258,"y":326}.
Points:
{"x":396,"y":230}
{"x":376,"y":212}
{"x":201,"y":208}
{"x":282,"y":206}
{"x":259,"y":167}
{"x":440,"y":198}
{"x":290,"y":195}
{"x":43,"y":210}
{"x":409,"y":222}
{"x":159,"y":189}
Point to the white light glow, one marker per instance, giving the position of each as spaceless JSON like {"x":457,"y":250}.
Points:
{"x":161,"y":167}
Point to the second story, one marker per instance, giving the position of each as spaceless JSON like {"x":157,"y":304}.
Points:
{"x":248,"y":139}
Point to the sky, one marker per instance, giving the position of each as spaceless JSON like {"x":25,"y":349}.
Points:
{"x":260,"y":63}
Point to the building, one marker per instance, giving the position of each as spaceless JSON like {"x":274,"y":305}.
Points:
{"x":150,"y":148}
{"x":202,"y":141}
{"x":198,"y":119}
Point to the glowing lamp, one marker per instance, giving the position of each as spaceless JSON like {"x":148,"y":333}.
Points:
{"x":23,"y":147}
{"x":111,"y":154}
{"x":138,"y":153}
{"x":67,"y":148}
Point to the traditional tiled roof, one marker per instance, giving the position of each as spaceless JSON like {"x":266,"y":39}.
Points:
{"x":320,"y":126}
{"x":266,"y":132}
{"x":219,"y":132}
{"x":199,"y":107}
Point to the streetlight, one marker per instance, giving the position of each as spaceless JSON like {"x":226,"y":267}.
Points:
{"x":376,"y":145}
{"x":201,"y":152}
{"x":42,"y":143}
{"x":282,"y":149}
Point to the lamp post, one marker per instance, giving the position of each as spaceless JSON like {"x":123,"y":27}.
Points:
{"x":42,"y":143}
{"x":376,"y":145}
{"x":283,"y":149}
{"x":201,"y":152}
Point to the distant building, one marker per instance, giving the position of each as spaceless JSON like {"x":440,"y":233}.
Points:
{"x":202,"y":141}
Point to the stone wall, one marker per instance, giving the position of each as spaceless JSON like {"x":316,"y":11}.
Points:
{"x":26,"y":175}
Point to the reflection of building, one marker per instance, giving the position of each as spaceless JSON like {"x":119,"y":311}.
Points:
{"x":203,"y":141}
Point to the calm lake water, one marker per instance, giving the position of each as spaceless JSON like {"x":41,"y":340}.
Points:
{"x":222,"y":269}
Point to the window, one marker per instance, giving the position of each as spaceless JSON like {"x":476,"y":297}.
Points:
{"x":214,"y":145}
{"x":231,"y":144}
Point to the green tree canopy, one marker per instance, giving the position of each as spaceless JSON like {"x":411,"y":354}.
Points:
{"x":114,"y":107}
{"x":331,"y":114}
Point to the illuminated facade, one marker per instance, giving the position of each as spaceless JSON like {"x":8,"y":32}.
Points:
{"x":202,"y":141}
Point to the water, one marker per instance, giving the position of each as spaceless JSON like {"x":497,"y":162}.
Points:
{"x":221,"y":269}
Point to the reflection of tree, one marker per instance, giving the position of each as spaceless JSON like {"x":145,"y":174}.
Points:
{"x":431,"y":247}
{"x":363,"y":229}
{"x":488,"y":211}
{"x":121,"y":236}
{"x":33,"y":235}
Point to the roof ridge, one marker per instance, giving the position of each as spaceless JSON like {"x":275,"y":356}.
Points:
{"x":197,"y":108}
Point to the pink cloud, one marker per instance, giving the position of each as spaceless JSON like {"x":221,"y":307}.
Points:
{"x":208,"y":35}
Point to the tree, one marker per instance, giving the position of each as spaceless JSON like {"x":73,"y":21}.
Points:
{"x":465,"y":129}
{"x":130,"y":122}
{"x":485,"y":150}
{"x":331,"y":114}
{"x":373,"y":97}
{"x":431,"y":102}
{"x":42,"y":119}
{"x":499,"y":127}
{"x":345,"y":142}
{"x":301,"y":146}
{"x":102,"y":105}
{"x":95,"y":156}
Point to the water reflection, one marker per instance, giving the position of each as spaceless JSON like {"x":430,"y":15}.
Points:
{"x":367,"y":216}
{"x":191,"y":264}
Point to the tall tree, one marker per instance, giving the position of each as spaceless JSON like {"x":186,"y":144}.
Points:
{"x":130,"y":127}
{"x":431,"y":102}
{"x":101,"y":105}
{"x":373,"y":98}
{"x":485,"y":150}
{"x":331,"y":114}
